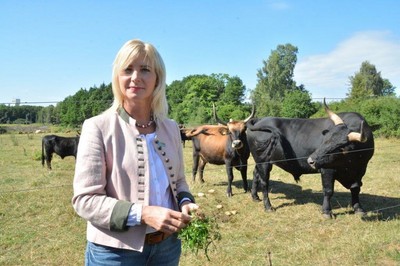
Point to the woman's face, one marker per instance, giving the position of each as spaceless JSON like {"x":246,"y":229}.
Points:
{"x":138,"y":81}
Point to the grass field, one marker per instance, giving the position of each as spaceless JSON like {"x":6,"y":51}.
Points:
{"x":39,"y":227}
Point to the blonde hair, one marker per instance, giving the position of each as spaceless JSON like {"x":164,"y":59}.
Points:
{"x":129,"y":52}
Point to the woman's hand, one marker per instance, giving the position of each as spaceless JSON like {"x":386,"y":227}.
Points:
{"x":188,"y":207}
{"x":164,"y":219}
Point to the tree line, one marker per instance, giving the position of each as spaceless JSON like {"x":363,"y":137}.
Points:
{"x":276,"y":94}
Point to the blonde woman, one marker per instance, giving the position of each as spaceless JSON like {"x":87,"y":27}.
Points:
{"x":129,"y":181}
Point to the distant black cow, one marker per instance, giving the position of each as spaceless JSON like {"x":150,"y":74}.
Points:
{"x":183,"y":132}
{"x":338,"y":147}
{"x":62,"y":146}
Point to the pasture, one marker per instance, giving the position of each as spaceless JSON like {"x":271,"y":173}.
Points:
{"x":39,"y":227}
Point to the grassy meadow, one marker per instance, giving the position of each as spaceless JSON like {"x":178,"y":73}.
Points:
{"x":39,"y":227}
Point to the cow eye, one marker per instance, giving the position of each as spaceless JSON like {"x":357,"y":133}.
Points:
{"x":325,"y":132}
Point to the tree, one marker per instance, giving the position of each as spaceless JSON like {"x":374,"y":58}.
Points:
{"x":368,"y":83}
{"x":388,"y":88}
{"x":234,"y":91}
{"x":275,"y":79}
{"x":190,"y":100}
{"x":298,"y":104}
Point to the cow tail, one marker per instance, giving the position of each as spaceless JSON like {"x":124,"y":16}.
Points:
{"x":270,"y":145}
{"x":42,"y":153}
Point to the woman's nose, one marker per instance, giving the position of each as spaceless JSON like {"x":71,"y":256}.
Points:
{"x":135,"y":76}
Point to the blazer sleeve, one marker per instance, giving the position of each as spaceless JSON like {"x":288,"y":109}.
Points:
{"x":90,"y":200}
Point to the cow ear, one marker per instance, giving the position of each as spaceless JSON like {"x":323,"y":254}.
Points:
{"x":223,"y":131}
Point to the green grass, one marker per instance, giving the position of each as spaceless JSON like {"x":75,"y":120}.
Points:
{"x":39,"y":227}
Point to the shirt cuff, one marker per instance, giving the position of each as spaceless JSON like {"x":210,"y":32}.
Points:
{"x":135,"y":215}
{"x":183,"y":200}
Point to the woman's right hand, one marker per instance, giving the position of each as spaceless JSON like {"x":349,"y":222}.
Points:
{"x":164,"y":219}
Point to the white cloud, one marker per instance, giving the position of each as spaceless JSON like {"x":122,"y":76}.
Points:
{"x":278,"y":4}
{"x":327,"y":75}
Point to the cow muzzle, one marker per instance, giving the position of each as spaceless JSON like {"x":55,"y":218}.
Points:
{"x":311,"y":162}
{"x":237,"y":144}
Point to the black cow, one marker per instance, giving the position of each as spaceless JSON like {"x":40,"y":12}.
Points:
{"x":338,"y":147}
{"x":183,"y":132}
{"x":63,"y":146}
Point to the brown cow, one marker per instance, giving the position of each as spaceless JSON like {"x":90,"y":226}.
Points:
{"x":221,"y":144}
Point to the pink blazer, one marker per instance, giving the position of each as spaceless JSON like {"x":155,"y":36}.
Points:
{"x":112,"y":173}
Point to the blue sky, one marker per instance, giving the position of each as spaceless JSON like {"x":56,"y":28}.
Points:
{"x":51,"y":49}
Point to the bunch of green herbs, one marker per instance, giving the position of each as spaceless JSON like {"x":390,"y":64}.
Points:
{"x":199,"y":234}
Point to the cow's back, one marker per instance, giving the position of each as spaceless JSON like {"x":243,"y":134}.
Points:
{"x":294,"y":137}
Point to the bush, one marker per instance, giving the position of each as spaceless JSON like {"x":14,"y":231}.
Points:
{"x":381,"y":113}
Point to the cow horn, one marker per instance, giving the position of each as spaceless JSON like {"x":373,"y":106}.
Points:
{"x":334,"y":117}
{"x":253,"y":112}
{"x":354,"y":136}
{"x":359,"y":137}
{"x":216,"y":117}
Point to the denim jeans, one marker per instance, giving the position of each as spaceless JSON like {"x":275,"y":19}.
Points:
{"x":165,"y":253}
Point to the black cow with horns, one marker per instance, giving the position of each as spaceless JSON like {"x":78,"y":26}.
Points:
{"x":338,"y":147}
{"x":63,"y":146}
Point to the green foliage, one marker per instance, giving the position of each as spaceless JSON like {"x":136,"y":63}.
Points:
{"x":84,"y":104}
{"x":368,"y":82}
{"x":199,"y":234}
{"x":190,"y":100}
{"x":21,"y":114}
{"x":37,"y":155}
{"x":275,"y":83}
{"x":275,"y":78}
{"x":298,"y":104}
{"x":381,"y":113}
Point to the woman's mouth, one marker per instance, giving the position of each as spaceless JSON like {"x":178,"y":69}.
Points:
{"x":135,"y":88}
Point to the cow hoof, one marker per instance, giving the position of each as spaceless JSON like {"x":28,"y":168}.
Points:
{"x":329,"y":215}
{"x":270,"y":210}
{"x":256,"y":198}
{"x":360,"y":212}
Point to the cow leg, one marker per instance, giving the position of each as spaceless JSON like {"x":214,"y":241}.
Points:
{"x":201,"y":169}
{"x":261,"y":176}
{"x":229,"y":171}
{"x":328,"y":189}
{"x":255,"y":185}
{"x":48,"y":157}
{"x":243,"y":173}
{"x":196,"y":159}
{"x":48,"y":161}
{"x":355,"y":200}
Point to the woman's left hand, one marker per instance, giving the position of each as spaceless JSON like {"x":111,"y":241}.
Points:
{"x":189,"y":207}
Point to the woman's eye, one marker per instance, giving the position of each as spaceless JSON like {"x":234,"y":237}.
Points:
{"x":128,"y":70}
{"x":146,"y":69}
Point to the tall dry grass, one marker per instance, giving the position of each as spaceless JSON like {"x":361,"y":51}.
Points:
{"x":39,"y":227}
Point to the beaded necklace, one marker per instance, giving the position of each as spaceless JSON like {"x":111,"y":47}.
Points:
{"x":148,"y":124}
